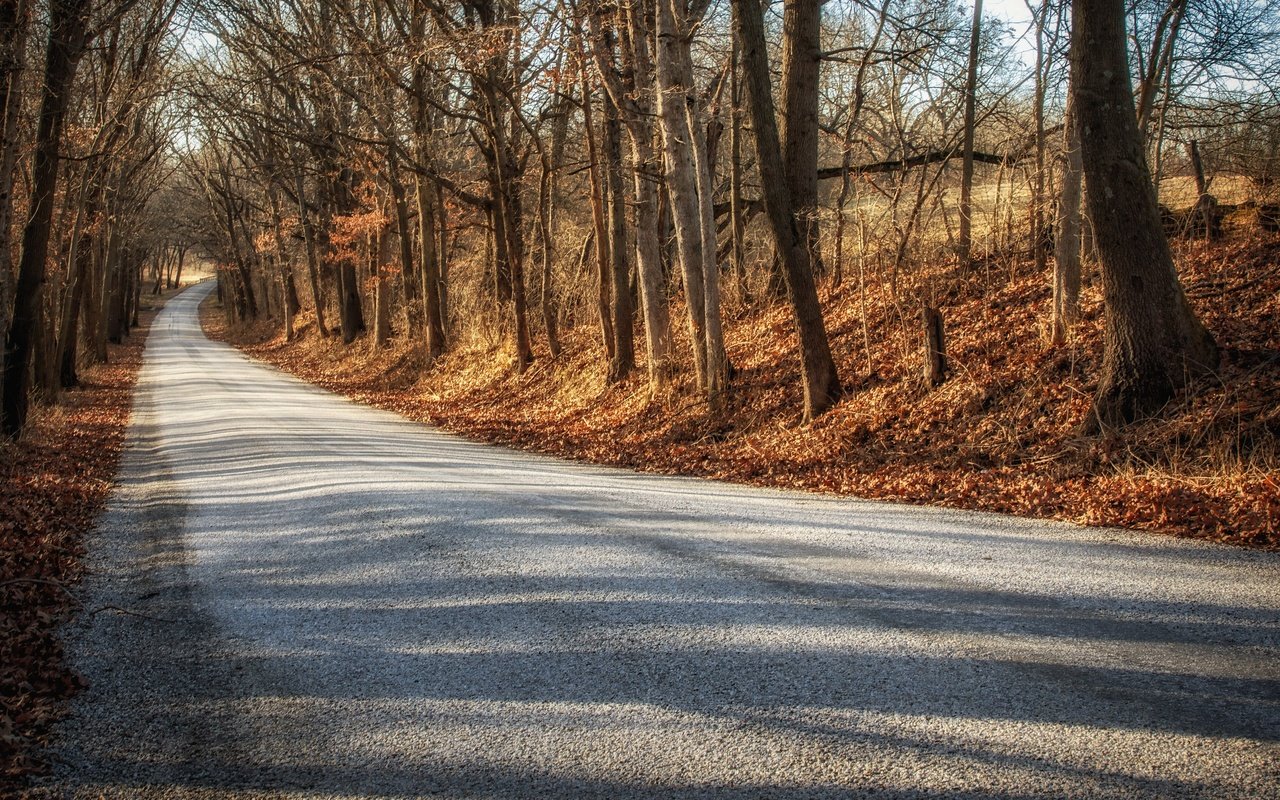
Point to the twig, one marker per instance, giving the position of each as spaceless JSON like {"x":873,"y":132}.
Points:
{"x":126,"y":611}
{"x":47,"y":582}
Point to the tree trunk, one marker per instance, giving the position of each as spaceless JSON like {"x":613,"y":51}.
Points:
{"x":624,"y":354}
{"x":413,"y":312}
{"x":135,"y":292}
{"x":1153,"y":343}
{"x":69,"y":337}
{"x":378,"y":257}
{"x":1205,"y":221}
{"x":1039,"y":233}
{"x":965,"y":242}
{"x":546,"y":208}
{"x":313,"y":266}
{"x":717,"y":368}
{"x":14,"y":24}
{"x":548,"y":204}
{"x":1159,"y":63}
{"x":737,"y":222}
{"x":935,"y":348}
{"x":682,"y":177}
{"x":1066,"y":270}
{"x":632,"y":91}
{"x":801,"y":48}
{"x":821,"y":385}
{"x":599,"y":222}
{"x":68,"y":21}
{"x":432,"y":306}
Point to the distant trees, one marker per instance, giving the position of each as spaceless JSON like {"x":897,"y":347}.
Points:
{"x":79,"y":260}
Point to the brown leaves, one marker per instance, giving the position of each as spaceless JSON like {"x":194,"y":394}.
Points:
{"x":52,"y":486}
{"x":999,"y":435}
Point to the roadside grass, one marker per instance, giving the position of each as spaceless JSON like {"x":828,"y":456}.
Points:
{"x":1001,"y":434}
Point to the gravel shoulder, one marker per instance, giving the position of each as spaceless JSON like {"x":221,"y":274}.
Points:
{"x":307,"y":598}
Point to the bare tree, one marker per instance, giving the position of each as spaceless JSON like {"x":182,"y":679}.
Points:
{"x":1153,"y":342}
{"x":821,"y":386}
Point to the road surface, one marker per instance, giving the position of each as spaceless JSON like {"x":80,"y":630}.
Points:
{"x":329,"y":601}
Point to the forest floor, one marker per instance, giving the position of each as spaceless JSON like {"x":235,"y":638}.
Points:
{"x":1001,"y":434}
{"x":53,"y":484}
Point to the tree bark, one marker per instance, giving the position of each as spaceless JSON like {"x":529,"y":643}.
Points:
{"x":935,"y":348}
{"x":631,"y":89}
{"x":430,"y":271}
{"x":14,"y":24}
{"x":313,"y":266}
{"x":821,"y":384}
{"x":599,"y":221}
{"x":1066,"y":270}
{"x":801,"y":48}
{"x":624,"y":355}
{"x":68,"y":23}
{"x":965,"y":240}
{"x":682,"y":178}
{"x":1153,"y":343}
{"x":378,"y":258}
{"x":737,"y":221}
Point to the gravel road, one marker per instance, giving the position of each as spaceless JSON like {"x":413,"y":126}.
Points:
{"x":327,"y":601}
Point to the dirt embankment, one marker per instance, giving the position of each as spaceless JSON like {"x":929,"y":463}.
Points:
{"x":1000,"y":434}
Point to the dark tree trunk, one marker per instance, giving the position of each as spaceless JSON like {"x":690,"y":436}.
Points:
{"x":68,"y":20}
{"x":433,"y":305}
{"x":14,"y":24}
{"x":801,"y":46}
{"x":821,"y":385}
{"x":313,"y":266}
{"x":624,"y":353}
{"x":1153,"y":342}
{"x":69,"y":339}
{"x":135,"y":293}
{"x":413,"y":312}
{"x":935,"y":348}
{"x":349,"y":309}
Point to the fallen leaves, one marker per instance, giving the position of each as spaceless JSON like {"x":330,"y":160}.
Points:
{"x":999,"y":435}
{"x":52,"y":485}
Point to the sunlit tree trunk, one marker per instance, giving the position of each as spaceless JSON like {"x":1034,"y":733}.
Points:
{"x":631,"y":89}
{"x":1066,"y":271}
{"x":682,"y":177}
{"x":1153,"y":343}
{"x":965,"y":240}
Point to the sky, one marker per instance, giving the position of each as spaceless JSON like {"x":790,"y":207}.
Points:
{"x":1019,"y":18}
